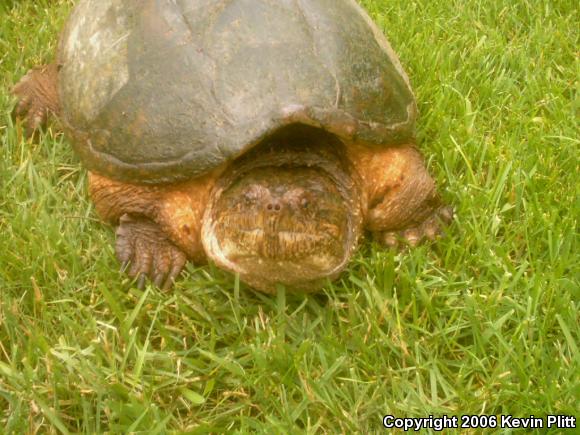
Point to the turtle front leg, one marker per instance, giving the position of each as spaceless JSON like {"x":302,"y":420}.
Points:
{"x":143,"y":247}
{"x":403,"y":203}
{"x":37,"y":97}
{"x":158,"y":227}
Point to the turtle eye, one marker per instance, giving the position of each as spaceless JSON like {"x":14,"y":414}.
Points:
{"x":249,"y":200}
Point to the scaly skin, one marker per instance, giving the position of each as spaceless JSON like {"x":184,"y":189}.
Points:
{"x":403,"y":204}
{"x":294,"y":222}
{"x":158,"y":227}
{"x":287,"y":212}
{"x":37,"y":97}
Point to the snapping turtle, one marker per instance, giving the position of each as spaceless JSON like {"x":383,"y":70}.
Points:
{"x":264,"y":135}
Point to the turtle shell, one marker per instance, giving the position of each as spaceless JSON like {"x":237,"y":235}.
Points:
{"x":157,"y":91}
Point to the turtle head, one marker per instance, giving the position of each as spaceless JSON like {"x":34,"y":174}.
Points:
{"x":288,"y":212}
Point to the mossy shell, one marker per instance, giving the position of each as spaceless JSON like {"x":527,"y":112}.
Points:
{"x":157,"y":91}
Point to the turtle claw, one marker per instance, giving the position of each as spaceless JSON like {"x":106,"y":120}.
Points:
{"x":144,"y":249}
{"x":174,"y":272}
{"x":141,"y":281}
{"x":159,"y":280}
{"x":430,"y":229}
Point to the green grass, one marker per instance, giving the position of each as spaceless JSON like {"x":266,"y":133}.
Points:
{"x":483,"y":322}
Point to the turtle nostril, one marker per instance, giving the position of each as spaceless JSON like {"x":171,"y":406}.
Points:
{"x":273,"y":207}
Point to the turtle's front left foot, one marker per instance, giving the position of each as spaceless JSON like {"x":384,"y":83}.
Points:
{"x":430,"y":229}
{"x":37,"y":97}
{"x":145,"y":250}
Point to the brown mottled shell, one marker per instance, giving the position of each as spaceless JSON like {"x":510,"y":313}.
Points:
{"x":162,"y":90}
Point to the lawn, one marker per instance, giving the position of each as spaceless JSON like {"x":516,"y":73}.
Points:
{"x":485,"y":321}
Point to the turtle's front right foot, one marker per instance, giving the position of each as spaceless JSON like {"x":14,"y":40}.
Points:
{"x":145,"y":252}
{"x":37,"y":97}
{"x":430,"y":229}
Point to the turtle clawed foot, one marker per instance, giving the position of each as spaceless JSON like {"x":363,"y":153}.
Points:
{"x":36,"y":98}
{"x":145,"y":252}
{"x":430,"y":229}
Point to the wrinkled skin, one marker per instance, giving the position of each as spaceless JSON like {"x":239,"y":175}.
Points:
{"x":291,"y":211}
